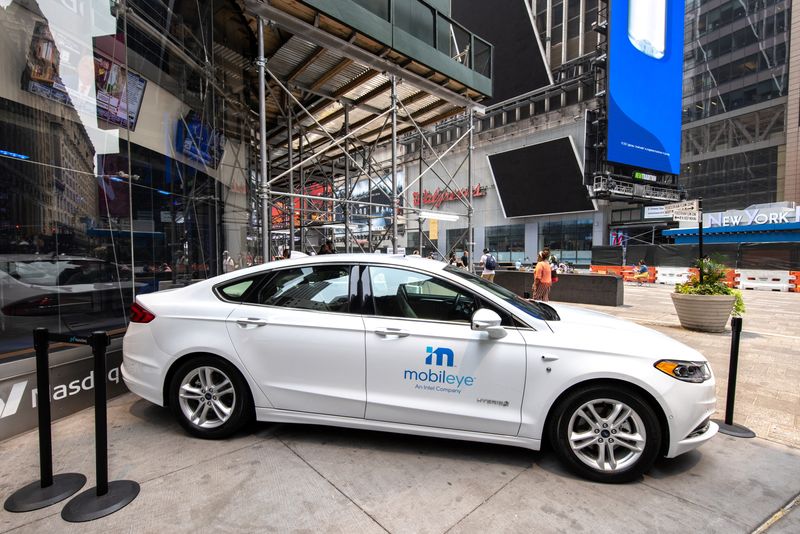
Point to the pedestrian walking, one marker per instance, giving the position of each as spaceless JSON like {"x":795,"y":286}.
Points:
{"x":488,"y":264}
{"x":542,"y":278}
{"x":465,"y":259}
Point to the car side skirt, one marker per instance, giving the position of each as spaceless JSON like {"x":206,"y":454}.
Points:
{"x":285,"y":416}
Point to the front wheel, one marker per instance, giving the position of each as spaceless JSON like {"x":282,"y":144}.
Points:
{"x":210,"y":398}
{"x":606,"y":434}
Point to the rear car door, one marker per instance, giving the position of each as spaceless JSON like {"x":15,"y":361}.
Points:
{"x":299,"y":340}
{"x":426,"y":366}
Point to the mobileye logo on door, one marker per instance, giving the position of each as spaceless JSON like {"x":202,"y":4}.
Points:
{"x":438,"y":380}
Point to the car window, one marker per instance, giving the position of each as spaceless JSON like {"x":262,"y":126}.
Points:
{"x":539,"y":310}
{"x":320,"y":288}
{"x":235,"y":290}
{"x":413,"y":295}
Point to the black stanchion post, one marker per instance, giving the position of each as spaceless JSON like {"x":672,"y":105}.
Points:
{"x":727,"y":426}
{"x":107,"y":497}
{"x":48,"y":489}
{"x":700,"y":238}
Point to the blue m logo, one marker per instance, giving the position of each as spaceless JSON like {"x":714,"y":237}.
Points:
{"x":441,"y":353}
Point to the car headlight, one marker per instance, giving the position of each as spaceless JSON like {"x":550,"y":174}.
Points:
{"x":696,"y":372}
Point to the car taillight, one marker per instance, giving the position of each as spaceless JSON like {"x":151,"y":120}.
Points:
{"x":140,"y":315}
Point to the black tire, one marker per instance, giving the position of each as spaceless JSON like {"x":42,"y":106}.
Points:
{"x":629,"y":465}
{"x":212,"y":425}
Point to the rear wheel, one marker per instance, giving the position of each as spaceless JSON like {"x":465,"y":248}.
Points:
{"x":210,"y":398}
{"x":606,"y":434}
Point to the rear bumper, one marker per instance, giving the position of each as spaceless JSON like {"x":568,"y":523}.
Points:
{"x":139,"y":387}
{"x":143,"y":363}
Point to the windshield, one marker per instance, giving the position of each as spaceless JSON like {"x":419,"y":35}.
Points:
{"x":538,"y":310}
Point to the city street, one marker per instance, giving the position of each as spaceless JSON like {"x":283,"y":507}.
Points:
{"x":280,"y":477}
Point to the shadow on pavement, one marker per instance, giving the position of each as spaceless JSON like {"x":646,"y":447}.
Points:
{"x":404,"y":444}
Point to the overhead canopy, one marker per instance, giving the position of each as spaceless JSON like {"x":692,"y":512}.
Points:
{"x":328,"y":65}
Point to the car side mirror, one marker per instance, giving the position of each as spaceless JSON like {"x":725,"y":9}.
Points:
{"x":485,"y":320}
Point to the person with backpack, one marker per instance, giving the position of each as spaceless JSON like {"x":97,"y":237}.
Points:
{"x":489,"y":264}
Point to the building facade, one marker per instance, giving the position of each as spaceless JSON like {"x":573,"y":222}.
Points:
{"x":736,"y":104}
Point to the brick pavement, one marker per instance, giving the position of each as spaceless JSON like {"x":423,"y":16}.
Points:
{"x":768,"y":385}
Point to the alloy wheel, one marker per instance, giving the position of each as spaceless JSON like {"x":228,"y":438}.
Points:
{"x":207,"y":397}
{"x":607,"y":435}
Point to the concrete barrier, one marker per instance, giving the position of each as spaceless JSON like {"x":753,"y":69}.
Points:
{"x":766,"y":280}
{"x":601,"y":289}
{"x":672,"y":275}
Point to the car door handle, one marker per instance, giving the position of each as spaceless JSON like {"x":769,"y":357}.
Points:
{"x":549,"y":358}
{"x":391,"y":332}
{"x":251,"y":321}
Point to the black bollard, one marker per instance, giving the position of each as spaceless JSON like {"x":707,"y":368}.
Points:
{"x":107,"y":497}
{"x":727,"y":426}
{"x":48,"y":489}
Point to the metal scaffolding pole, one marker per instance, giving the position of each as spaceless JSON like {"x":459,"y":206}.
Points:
{"x":303,"y":214}
{"x":261,"y":61}
{"x":268,"y":206}
{"x":290,"y":207}
{"x":346,"y":208}
{"x":419,"y":177}
{"x":470,"y":230}
{"x":394,"y":164}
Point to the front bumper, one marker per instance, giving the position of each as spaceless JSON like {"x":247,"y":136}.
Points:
{"x":690,"y":407}
{"x":694,"y":441}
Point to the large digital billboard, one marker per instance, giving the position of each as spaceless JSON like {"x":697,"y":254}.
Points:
{"x":645,"y":79}
{"x":540,"y":179}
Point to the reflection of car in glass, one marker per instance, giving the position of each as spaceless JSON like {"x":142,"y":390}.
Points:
{"x":62,"y":293}
{"x":414,"y":346}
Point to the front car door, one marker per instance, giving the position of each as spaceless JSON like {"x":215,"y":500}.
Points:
{"x":299,"y":340}
{"x":426,"y":366}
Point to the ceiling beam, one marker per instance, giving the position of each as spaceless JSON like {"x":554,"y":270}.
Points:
{"x":298,"y":70}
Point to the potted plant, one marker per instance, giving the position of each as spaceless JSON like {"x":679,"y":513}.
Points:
{"x":706,"y":305}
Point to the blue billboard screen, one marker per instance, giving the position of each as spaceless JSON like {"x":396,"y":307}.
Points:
{"x":645,"y":80}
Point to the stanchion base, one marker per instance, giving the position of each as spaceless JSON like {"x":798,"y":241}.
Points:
{"x":737,"y":431}
{"x":34,"y":496}
{"x":88,"y":506}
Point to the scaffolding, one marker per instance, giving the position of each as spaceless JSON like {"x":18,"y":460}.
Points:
{"x":337,"y":121}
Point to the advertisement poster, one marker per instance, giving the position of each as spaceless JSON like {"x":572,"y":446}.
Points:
{"x":89,"y":82}
{"x":645,"y":81}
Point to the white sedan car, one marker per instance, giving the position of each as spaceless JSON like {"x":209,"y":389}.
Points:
{"x":415,"y":346}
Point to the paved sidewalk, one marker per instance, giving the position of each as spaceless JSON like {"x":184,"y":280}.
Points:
{"x":301,"y":478}
{"x":768,"y":384}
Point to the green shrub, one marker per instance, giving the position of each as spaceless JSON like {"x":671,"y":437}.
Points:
{"x":713,"y":284}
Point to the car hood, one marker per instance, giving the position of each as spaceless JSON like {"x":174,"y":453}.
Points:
{"x":582,"y":329}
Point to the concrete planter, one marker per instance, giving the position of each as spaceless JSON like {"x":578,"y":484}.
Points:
{"x":707,"y":313}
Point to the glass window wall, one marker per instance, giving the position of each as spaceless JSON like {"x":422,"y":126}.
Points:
{"x":507,"y":243}
{"x":570,"y":241}
{"x":120,"y":167}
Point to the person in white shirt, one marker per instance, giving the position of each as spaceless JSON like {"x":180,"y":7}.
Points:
{"x":228,"y":265}
{"x":488,"y":263}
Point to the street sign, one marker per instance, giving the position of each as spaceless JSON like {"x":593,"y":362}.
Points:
{"x":686,"y":216}
{"x":689,"y":205}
